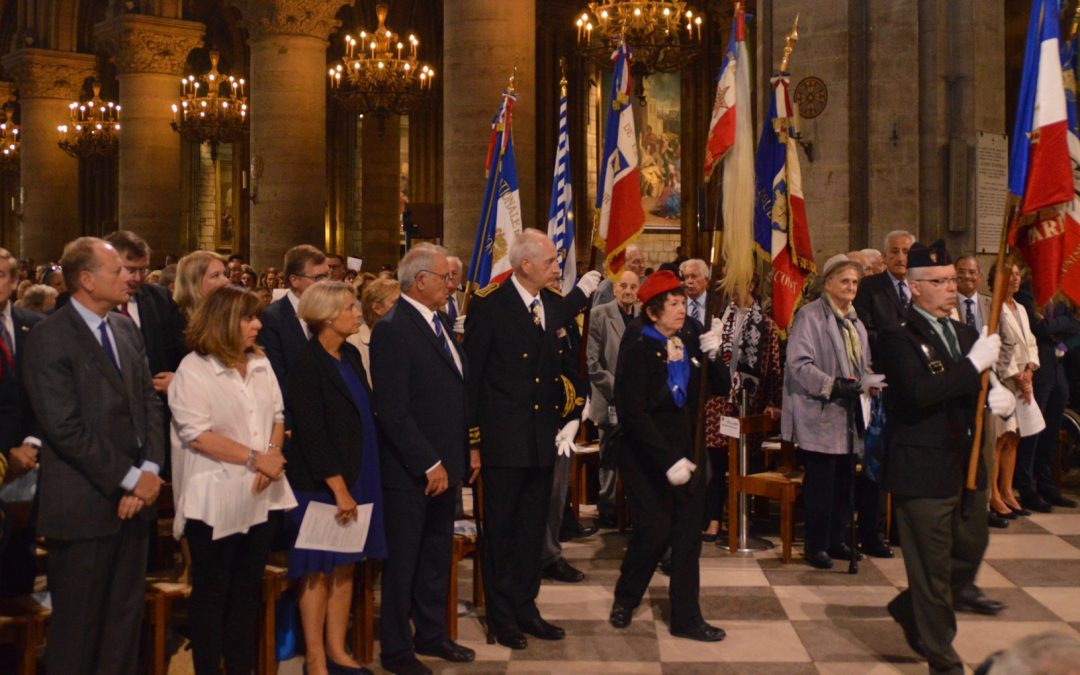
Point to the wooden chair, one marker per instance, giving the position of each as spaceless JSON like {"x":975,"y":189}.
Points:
{"x":363,"y":610}
{"x":783,"y":486}
{"x":22,"y":623}
{"x":465,"y":546}
{"x":274,"y":584}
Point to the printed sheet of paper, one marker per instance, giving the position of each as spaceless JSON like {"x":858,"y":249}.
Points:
{"x":355,"y":264}
{"x":320,"y":531}
{"x":235,"y":510}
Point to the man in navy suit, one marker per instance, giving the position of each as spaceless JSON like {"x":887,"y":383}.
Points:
{"x":17,"y":446}
{"x":283,"y":335}
{"x":418,"y":378}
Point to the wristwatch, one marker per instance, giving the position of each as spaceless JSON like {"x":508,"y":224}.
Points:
{"x":252,"y":454}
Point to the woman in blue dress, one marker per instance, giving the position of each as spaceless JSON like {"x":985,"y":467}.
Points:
{"x":332,"y":459}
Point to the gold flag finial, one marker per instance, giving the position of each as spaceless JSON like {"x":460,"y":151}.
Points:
{"x":513,"y":76}
{"x":562,"y":80}
{"x":1075,"y":23}
{"x":789,"y":47}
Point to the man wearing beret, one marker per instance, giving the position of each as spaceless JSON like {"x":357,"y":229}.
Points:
{"x":934,"y":369}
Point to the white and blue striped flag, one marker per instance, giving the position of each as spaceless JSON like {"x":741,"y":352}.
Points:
{"x":561,"y":212}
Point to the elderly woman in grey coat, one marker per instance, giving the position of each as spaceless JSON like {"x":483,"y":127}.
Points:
{"x":827,"y":370}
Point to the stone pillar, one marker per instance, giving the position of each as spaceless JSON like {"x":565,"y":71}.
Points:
{"x":288,"y":123}
{"x":150,"y":53}
{"x":482,"y":42}
{"x":380,"y":230}
{"x":48,"y":82}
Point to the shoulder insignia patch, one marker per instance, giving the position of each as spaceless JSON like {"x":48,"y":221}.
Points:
{"x":487,"y":290}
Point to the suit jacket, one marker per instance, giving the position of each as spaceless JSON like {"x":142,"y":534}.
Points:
{"x":95,"y":423}
{"x":16,"y":415}
{"x":699,"y":327}
{"x":930,"y":409}
{"x":984,"y":308}
{"x":606,"y":329}
{"x":516,"y":392}
{"x":161,"y":327}
{"x":282,"y":338}
{"x":879,"y":308}
{"x":419,"y":398}
{"x":327,"y":427}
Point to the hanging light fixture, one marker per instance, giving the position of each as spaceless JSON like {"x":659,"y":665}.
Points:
{"x":9,"y":138}
{"x":93,"y":128}
{"x":663,"y":35}
{"x":213,"y":108}
{"x":381,"y":75}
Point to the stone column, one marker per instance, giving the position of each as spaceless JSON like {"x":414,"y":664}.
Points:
{"x":482,"y":42}
{"x":380,"y":231}
{"x":150,"y":53}
{"x":288,"y":123}
{"x":48,"y":82}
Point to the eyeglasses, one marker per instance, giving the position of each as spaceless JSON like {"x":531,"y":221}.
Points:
{"x":938,"y":283}
{"x":137,"y":271}
{"x":444,"y":277}
{"x":316,"y":277}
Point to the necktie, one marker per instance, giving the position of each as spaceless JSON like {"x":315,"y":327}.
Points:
{"x":7,"y":348}
{"x":950,"y":338}
{"x":107,"y":345}
{"x":451,"y":309}
{"x":970,"y":316}
{"x":439,"y":334}
{"x":901,"y":288}
{"x":695,"y":311}
{"x":124,"y":310}
{"x":534,"y":307}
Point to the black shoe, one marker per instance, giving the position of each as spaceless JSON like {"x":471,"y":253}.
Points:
{"x":560,"y":570}
{"x":1036,"y":503}
{"x":665,"y":567}
{"x":448,"y":650}
{"x":514,"y":639}
{"x":543,"y":630}
{"x":1009,"y":515}
{"x":910,"y":634}
{"x":841,"y":552}
{"x":702,"y":632}
{"x":1020,"y":511}
{"x":620,"y":616}
{"x":1057,"y":499}
{"x":572,"y":531}
{"x":820,"y":560}
{"x":994,"y":520}
{"x":971,"y":599}
{"x":877,"y":549}
{"x":409,"y":666}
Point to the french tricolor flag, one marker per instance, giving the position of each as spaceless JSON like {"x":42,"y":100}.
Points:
{"x":1040,"y":172}
{"x":722,"y":125}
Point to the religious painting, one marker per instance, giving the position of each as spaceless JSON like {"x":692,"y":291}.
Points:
{"x":658,"y":124}
{"x":224,"y":207}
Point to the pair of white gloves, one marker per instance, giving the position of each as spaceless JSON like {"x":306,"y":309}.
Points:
{"x":587,"y":283}
{"x":984,"y":354}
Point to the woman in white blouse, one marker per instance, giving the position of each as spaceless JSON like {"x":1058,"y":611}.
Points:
{"x":1017,"y":363}
{"x":227,"y":431}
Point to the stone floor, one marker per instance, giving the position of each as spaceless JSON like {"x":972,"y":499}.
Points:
{"x":781,"y":618}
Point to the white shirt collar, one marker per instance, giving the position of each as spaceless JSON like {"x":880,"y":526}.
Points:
{"x":973,"y":296}
{"x":253,"y":363}
{"x":6,"y":313}
{"x":526,"y":297}
{"x":428,"y":315}
{"x":90,"y":317}
{"x":294,"y":300}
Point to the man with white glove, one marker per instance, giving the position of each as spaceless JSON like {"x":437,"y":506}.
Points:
{"x":710,"y":341}
{"x":588,"y":282}
{"x":871,"y":383}
{"x":459,"y":324}
{"x":680,"y":472}
{"x":564,"y":440}
{"x":984,"y":353}
{"x":1001,"y":401}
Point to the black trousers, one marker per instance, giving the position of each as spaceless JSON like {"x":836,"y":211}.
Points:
{"x":664,"y":516}
{"x":98,"y":591}
{"x":826,"y":499}
{"x":420,"y":541}
{"x":226,"y":588}
{"x":515,"y":515}
{"x":717,"y":491}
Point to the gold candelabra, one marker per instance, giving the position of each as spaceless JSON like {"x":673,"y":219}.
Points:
{"x":213,"y":108}
{"x":663,"y":35}
{"x":9,"y":138}
{"x":93,"y":128}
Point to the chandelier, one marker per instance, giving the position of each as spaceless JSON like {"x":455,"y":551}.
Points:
{"x":9,"y":138}
{"x":208,"y":115}
{"x":663,"y":35}
{"x":380,"y":75}
{"x":93,"y":128}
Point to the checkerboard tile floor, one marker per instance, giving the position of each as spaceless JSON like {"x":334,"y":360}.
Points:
{"x":779,"y":618}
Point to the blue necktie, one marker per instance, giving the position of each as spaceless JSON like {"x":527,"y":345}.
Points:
{"x":107,"y":344}
{"x":439,"y":335}
{"x":534,"y":308}
{"x":970,"y":318}
{"x":901,"y":288}
{"x":451,"y":309}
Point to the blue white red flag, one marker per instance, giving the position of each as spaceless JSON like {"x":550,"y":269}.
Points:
{"x":618,"y":195}
{"x":500,"y":214}
{"x":561,"y":211}
{"x":722,"y":125}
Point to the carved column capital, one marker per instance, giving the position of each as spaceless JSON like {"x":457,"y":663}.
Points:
{"x":46,"y":73}
{"x":310,"y":18}
{"x":139,"y":43}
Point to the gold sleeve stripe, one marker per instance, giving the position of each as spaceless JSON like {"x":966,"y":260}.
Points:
{"x":569,"y":396}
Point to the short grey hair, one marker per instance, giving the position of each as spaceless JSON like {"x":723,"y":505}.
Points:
{"x":419,"y":258}
{"x":1039,"y":654}
{"x":872,"y":253}
{"x":916,"y":274}
{"x":527,"y":245}
{"x":633,"y":248}
{"x":35,"y":297}
{"x":455,"y":262}
{"x":702,"y":266}
{"x":898,"y":233}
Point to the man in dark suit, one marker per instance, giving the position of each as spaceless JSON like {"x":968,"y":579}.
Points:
{"x":883,"y":299}
{"x":17,"y":444}
{"x":972,"y":307}
{"x":283,"y":335}
{"x":88,"y":380}
{"x":418,"y":377}
{"x":699,"y":299}
{"x":515,"y":397}
{"x":933,"y":370}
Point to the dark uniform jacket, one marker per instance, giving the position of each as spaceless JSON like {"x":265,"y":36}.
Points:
{"x":930,"y":413}
{"x":16,"y":416}
{"x":879,"y":308}
{"x":516,"y":393}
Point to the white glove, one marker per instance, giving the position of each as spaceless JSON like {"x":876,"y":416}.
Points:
{"x":1002,"y":402}
{"x":984,"y":353}
{"x":564,"y":440}
{"x":459,"y":324}
{"x":586,"y":409}
{"x":710,"y":341}
{"x":872,"y":381}
{"x":588,"y":282}
{"x":679,"y":473}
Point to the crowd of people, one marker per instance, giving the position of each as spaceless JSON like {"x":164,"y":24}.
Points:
{"x":262,"y":398}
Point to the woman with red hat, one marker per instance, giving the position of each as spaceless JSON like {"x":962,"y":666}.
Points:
{"x":656,"y":387}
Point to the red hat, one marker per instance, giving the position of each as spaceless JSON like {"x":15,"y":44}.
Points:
{"x":657,"y":283}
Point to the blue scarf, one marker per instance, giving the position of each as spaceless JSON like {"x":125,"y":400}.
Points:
{"x":678,"y":372}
